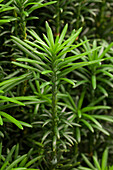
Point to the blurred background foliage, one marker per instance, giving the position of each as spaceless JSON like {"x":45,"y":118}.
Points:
{"x":84,"y":95}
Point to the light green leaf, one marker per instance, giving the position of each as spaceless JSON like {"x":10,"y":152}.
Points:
{"x":54,"y":143}
{"x":78,"y":135}
{"x":46,"y":72}
{"x":46,"y":135}
{"x":63,"y":34}
{"x":11,"y":100}
{"x":96,"y":162}
{"x":90,"y":117}
{"x":101,"y":129}
{"x":88,"y":125}
{"x":66,"y":122}
{"x":106,"y":50}
{"x":84,"y":168}
{"x":80,"y":102}
{"x":30,"y":61}
{"x":33,"y":161}
{"x":25,"y":124}
{"x":104,"y":117}
{"x":26,"y":66}
{"x":104,"y":159}
{"x":1,"y":121}
{"x":16,"y":162}
{"x":39,"y":5}
{"x":87,"y":109}
{"x":68,"y":80}
{"x":4,"y":165}
{"x":88,"y":162}
{"x":93,"y":78}
{"x":50,"y":34}
{"x":12,"y":119}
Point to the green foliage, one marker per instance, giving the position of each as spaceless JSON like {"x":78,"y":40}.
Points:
{"x":13,"y":161}
{"x":97,"y":165}
{"x":56,"y":86}
{"x":4,"y":8}
{"x":22,"y":11}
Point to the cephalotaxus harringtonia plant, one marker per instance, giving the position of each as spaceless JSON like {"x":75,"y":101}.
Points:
{"x":14,"y":161}
{"x":76,"y":13}
{"x":4,"y":8}
{"x":22,"y":12}
{"x":5,"y":116}
{"x":98,"y":165}
{"x":86,"y":115}
{"x":49,"y":58}
{"x":98,"y":77}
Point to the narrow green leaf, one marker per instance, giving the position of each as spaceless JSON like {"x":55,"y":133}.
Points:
{"x":106,"y":50}
{"x":71,"y":102}
{"x":66,"y":122}
{"x":63,"y":34}
{"x":44,"y":84}
{"x":73,"y":66}
{"x":78,"y":135}
{"x":4,"y":165}
{"x":68,"y":80}
{"x":0,"y":150}
{"x":1,"y":121}
{"x":9,"y":156}
{"x":79,"y":113}
{"x":72,"y":38}
{"x":68,"y":138}
{"x":16,"y":162}
{"x":54,"y":143}
{"x":96,"y":163}
{"x":46,"y":135}
{"x":104,"y":159}
{"x":88,"y":125}
{"x":30,"y":61}
{"x":12,"y":119}
{"x":33,"y":161}
{"x":86,"y":109}
{"x":103,"y":90}
{"x":16,"y":151}
{"x":47,"y":41}
{"x":46,"y":122}
{"x":39,"y":5}
{"x":90,"y":117}
{"x":57,"y":132}
{"x":46,"y":71}
{"x":26,"y":66}
{"x":13,"y":80}
{"x":25,"y":124}
{"x":80,"y":102}
{"x":50,"y":34}
{"x":101,"y":129}
{"x":39,"y":40}
{"x":26,"y":51}
{"x":84,"y":168}
{"x":11,"y":100}
{"x":104,"y":117}
{"x":87,"y":162}
{"x":93,"y":78}
{"x":20,"y":168}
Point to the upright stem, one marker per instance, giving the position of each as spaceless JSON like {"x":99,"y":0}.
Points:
{"x":102,"y":11}
{"x":23,"y":23}
{"x":54,"y":101}
{"x":78,"y":15}
{"x":58,"y":17}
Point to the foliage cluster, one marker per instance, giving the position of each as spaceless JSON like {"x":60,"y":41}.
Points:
{"x":56,"y":80}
